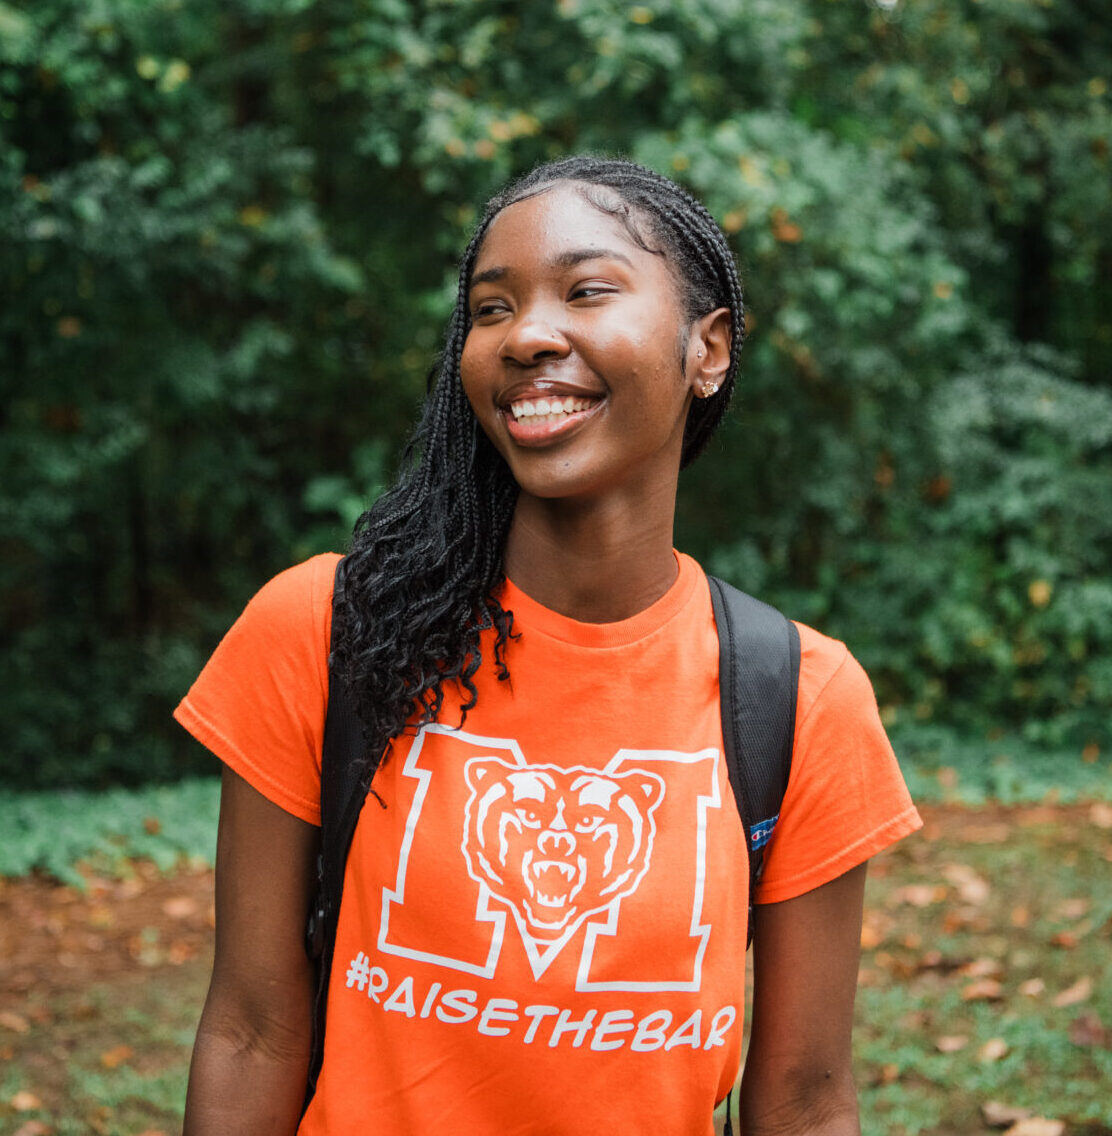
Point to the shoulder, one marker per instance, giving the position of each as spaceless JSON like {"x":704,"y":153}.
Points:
{"x":301,"y":592}
{"x":259,"y":703}
{"x":829,"y":676}
{"x":846,"y":798}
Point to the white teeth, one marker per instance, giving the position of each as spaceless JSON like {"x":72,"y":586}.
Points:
{"x":565,"y":870}
{"x":548,"y":409}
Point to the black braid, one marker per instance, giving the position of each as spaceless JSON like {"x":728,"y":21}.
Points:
{"x":425,"y":567}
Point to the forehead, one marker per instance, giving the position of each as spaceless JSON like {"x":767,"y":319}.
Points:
{"x":538,"y":229}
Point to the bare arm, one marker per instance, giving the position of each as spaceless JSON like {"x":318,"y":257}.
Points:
{"x":798,"y":1072}
{"x":251,"y":1057}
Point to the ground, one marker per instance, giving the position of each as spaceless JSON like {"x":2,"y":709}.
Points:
{"x":985,"y":1000}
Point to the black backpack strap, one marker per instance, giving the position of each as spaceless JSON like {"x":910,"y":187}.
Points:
{"x":758,"y":673}
{"x":344,"y":780}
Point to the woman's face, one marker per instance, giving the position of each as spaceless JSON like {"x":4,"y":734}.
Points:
{"x":576,"y":359}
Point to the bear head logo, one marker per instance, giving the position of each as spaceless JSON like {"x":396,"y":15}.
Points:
{"x":558,"y":844}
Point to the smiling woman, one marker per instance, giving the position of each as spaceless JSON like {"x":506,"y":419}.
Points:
{"x":566,"y":305}
{"x":543,"y":927}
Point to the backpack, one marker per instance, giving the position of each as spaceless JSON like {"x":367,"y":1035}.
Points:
{"x":758,"y":672}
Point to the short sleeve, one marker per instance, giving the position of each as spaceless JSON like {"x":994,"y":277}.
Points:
{"x":259,"y":703}
{"x":846,"y":798}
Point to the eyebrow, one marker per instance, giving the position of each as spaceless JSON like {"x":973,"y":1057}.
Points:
{"x":568,"y":259}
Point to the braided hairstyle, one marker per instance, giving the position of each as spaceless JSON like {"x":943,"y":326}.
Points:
{"x":422,"y":578}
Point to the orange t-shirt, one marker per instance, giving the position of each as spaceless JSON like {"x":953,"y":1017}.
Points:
{"x":544,"y":930}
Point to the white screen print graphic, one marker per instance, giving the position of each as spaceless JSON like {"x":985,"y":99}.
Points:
{"x":554,"y":850}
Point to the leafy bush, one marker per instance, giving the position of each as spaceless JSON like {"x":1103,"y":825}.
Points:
{"x":55,"y":832}
{"x":228,"y":234}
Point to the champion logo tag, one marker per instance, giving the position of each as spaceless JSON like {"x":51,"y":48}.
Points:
{"x":761,"y":832}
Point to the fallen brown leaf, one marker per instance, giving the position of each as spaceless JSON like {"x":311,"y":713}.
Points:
{"x":983,"y":990}
{"x":1032,"y":988}
{"x":993,"y":1049}
{"x":953,"y":1043}
{"x":14,"y":1022}
{"x":1075,"y":908}
{"x":886,"y":1075}
{"x":919,"y":895}
{"x":1101,"y":815}
{"x":1066,"y":939}
{"x":998,"y":1115}
{"x":25,"y":1101}
{"x":32,"y":1128}
{"x":101,"y":916}
{"x":1089,"y":1032}
{"x":113,"y":1058}
{"x":972,"y":888}
{"x":1037,"y":1126}
{"x":1078,"y":992}
{"x":180,"y":907}
{"x":982,"y":968}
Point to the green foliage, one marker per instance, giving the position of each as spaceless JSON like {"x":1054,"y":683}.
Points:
{"x":228,"y":234}
{"x":940,"y":763}
{"x":56,"y":831}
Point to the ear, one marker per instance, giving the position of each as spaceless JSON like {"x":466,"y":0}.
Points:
{"x":708,"y":353}
{"x":648,"y":789}
{"x":480,"y":771}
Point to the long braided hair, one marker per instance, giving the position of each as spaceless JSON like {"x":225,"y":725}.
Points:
{"x":422,"y":578}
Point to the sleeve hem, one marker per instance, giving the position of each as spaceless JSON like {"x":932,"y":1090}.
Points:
{"x":899,"y":826}
{"x":231,"y":755}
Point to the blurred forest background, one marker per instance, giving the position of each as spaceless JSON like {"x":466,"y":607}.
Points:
{"x":228,"y":238}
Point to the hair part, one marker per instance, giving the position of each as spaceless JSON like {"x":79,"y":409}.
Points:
{"x":425,"y":568}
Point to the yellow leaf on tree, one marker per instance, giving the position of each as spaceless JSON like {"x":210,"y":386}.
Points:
{"x":1039,"y":592}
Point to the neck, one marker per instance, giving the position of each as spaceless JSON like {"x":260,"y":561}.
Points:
{"x":595,"y":561}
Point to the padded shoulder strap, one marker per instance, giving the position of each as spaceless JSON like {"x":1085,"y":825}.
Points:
{"x":343,"y":789}
{"x":758,"y":673}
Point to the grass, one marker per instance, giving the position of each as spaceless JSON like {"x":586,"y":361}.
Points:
{"x":986,"y":971}
{"x":987,"y":974}
{"x":111,"y":1060}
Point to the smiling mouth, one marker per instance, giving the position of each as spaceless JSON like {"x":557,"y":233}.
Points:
{"x":545,"y":421}
{"x":539,"y":410}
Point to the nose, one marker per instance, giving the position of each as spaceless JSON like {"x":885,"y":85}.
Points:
{"x":561,"y":843}
{"x":532,"y":338}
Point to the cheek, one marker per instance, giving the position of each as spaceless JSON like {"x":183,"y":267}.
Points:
{"x":475,"y":386}
{"x":468,"y":369}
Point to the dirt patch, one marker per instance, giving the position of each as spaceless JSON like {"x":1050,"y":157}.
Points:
{"x":56,"y":937}
{"x":986,"y":945}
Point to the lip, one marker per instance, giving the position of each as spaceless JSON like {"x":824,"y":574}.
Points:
{"x":525,"y":432}
{"x":540,"y":387}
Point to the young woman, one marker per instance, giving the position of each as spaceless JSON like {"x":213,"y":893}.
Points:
{"x":543,"y":926}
